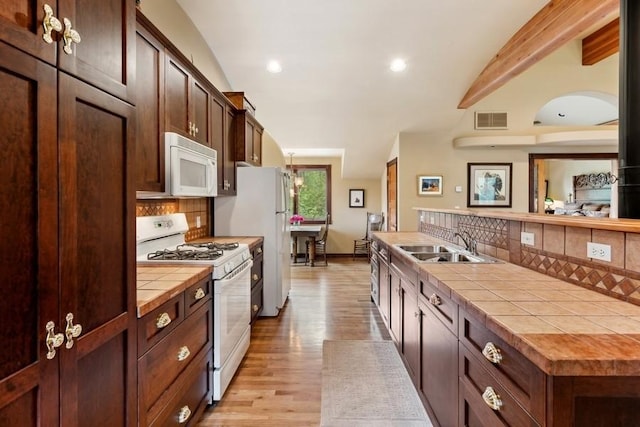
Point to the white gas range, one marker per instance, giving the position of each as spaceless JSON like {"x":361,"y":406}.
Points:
{"x":160,"y":239}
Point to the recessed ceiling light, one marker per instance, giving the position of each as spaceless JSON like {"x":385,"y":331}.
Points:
{"x":398,"y":65}
{"x":274,"y":66}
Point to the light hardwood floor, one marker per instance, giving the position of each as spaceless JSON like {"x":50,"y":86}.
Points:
{"x":278,"y":383}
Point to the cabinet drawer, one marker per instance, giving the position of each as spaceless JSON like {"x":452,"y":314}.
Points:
{"x":405,"y":271}
{"x":187,"y":405}
{"x":474,"y":412}
{"x":256,"y":300}
{"x":440,"y":305}
{"x":257,"y":268}
{"x":157,"y":324}
{"x":517,"y":373}
{"x":161,"y":365}
{"x":198,"y":295}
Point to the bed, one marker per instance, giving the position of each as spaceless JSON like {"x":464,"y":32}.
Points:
{"x":592,"y":193}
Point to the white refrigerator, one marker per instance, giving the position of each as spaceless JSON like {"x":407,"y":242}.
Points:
{"x":261,"y":208}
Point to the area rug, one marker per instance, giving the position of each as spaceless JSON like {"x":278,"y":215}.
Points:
{"x":364,"y":383}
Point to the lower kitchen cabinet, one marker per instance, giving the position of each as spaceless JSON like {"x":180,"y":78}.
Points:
{"x":257,"y":282}
{"x":384,"y":288}
{"x":175,"y":359}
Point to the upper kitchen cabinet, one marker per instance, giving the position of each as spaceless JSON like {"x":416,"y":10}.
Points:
{"x":248,"y":130}
{"x":248,"y":139}
{"x":149,"y":110}
{"x":89,"y":40}
{"x":224,"y":142}
{"x":187,"y":103}
{"x":70,"y":299}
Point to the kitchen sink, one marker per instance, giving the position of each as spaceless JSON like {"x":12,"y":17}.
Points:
{"x":450,"y":257}
{"x":426,"y":248}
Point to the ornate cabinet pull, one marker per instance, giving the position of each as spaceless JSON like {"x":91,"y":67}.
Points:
{"x":435,"y":300}
{"x":52,"y":340}
{"x":50,"y":23}
{"x":199,"y":294}
{"x":69,"y":36}
{"x":183,"y":353}
{"x":163,"y":320}
{"x":492,"y":353}
{"x":183,"y":414}
{"x":71,"y":331}
{"x":492,"y":399}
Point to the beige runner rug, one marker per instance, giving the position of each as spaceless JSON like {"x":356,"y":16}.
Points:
{"x":364,"y":383}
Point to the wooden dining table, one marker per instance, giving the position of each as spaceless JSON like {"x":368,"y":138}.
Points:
{"x":310,"y":232}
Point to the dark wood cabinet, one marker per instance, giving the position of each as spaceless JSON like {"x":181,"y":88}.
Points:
{"x":69,"y":213}
{"x":223,"y":141}
{"x":384,"y":290}
{"x":439,"y":361}
{"x":395,"y":307}
{"x":103,"y":57}
{"x":150,"y":161}
{"x":248,"y":138}
{"x":257,"y":282}
{"x":187,"y":103}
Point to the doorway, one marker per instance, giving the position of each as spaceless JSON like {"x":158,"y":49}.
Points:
{"x":547,"y":185}
{"x":392,"y":195}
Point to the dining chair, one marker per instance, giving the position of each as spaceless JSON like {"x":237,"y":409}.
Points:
{"x":362,"y":246}
{"x":321,"y":243}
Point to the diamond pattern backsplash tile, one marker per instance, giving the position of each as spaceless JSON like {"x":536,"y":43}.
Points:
{"x":589,"y":275}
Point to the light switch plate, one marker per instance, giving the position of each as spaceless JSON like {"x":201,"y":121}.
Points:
{"x":458,"y":188}
{"x":527,"y":238}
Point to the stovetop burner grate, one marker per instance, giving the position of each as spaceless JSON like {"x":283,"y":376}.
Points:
{"x":185,"y":254}
{"x":214,"y":245}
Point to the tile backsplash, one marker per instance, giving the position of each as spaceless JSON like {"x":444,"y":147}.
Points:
{"x":193,"y":208}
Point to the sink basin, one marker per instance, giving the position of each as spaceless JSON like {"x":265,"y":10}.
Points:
{"x":449,"y":257}
{"x":425,"y":248}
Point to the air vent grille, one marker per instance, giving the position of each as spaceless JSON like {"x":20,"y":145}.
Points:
{"x":491,"y":120}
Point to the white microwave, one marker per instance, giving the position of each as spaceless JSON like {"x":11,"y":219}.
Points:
{"x":191,"y":169}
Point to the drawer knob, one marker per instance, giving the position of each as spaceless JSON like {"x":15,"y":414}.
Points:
{"x":163,"y":320}
{"x":492,"y":399}
{"x":199,"y":294}
{"x":183,"y":353}
{"x":255,"y":308}
{"x":492,"y":353}
{"x":259,"y":250}
{"x":435,"y":300}
{"x":255,"y":276}
{"x":183,"y":414}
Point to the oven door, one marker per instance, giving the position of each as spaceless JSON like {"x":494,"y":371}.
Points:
{"x":232,"y":311}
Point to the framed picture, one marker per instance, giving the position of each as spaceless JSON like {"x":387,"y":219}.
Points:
{"x":356,"y":198}
{"x":489,"y":185}
{"x":429,"y":185}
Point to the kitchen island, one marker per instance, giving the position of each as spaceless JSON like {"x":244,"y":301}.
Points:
{"x":498,"y":343}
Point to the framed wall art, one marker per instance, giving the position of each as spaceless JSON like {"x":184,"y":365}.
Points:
{"x":429,"y":185}
{"x":356,"y":198}
{"x":489,"y":185}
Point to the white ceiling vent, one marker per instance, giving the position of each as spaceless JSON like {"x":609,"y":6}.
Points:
{"x":491,"y":120}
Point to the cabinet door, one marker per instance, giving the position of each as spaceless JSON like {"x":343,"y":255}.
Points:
{"x":177,"y":85}
{"x":150,"y":113}
{"x":249,"y":134}
{"x":395,"y":302}
{"x":29,"y":255}
{"x":217,"y":138}
{"x":97,"y":255}
{"x":104,"y":57}
{"x":200,"y":111}
{"x":229,"y":151}
{"x":411,"y":333}
{"x":385,"y":291}
{"x":439,"y":357}
{"x":257,"y":144}
{"x":21,"y":26}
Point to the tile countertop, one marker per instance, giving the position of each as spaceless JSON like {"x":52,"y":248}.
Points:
{"x":564,"y":329}
{"x":157,"y":284}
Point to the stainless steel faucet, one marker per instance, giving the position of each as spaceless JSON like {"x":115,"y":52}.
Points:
{"x":470,"y":243}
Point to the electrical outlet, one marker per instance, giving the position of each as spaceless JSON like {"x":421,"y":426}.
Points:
{"x":599,"y":251}
{"x":198,"y":223}
{"x":527,"y":238}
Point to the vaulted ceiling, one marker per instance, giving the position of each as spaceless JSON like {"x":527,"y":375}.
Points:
{"x":336,"y":92}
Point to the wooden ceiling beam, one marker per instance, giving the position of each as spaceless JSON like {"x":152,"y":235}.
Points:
{"x":602,"y":43}
{"x":557,"y":23}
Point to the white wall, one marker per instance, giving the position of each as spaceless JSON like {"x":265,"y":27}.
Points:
{"x":521,"y":98}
